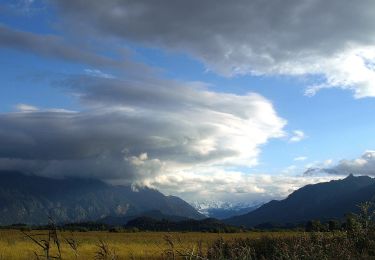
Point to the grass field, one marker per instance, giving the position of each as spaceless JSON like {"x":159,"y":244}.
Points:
{"x":140,"y":245}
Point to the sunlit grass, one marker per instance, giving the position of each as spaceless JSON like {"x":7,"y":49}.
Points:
{"x":140,"y":245}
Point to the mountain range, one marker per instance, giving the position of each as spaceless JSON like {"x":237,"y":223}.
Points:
{"x":223,"y":210}
{"x":322,"y":201}
{"x":32,"y":199}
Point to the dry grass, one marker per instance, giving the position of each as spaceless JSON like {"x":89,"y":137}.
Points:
{"x":141,"y":245}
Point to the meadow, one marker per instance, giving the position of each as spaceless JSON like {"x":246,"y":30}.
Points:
{"x":354,"y":239}
{"x":139,"y":245}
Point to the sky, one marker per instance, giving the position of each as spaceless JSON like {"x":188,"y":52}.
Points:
{"x":241,"y":101}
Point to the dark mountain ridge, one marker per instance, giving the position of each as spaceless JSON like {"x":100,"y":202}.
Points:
{"x":322,"y":201}
{"x":31,"y":199}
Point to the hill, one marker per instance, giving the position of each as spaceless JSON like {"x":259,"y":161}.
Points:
{"x":31,"y":199}
{"x":322,"y":201}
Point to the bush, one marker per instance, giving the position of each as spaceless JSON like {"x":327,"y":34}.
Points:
{"x":357,"y":241}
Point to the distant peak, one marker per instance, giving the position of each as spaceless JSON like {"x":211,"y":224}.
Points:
{"x":350,"y":176}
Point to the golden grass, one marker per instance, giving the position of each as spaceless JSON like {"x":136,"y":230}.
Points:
{"x":141,"y":245}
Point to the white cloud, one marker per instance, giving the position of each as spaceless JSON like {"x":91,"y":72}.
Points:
{"x":26,"y":108}
{"x":300,"y":158}
{"x":231,"y":186}
{"x":98,"y":73}
{"x":23,"y":108}
{"x":297,"y":136}
{"x":352,"y":70}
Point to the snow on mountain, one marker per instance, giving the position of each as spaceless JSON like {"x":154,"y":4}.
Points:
{"x":222,"y":210}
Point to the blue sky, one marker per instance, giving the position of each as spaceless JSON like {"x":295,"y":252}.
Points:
{"x":194,"y":65}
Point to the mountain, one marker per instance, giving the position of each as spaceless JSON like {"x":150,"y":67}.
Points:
{"x":224,"y":213}
{"x":223,"y":210}
{"x":31,"y":199}
{"x":322,"y":201}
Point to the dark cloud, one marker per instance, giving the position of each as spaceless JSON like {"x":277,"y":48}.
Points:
{"x":291,"y":37}
{"x":49,"y":46}
{"x":222,"y":25}
{"x":364,"y":165}
{"x":159,"y":95}
{"x":133,"y":130}
{"x":56,"y":47}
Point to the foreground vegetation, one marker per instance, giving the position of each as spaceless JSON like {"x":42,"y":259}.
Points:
{"x":139,"y":245}
{"x":163,"y":245}
{"x":353,"y":239}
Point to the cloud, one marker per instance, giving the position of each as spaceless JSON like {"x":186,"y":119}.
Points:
{"x":300,"y":158}
{"x":130,"y":131}
{"x":232,"y":186}
{"x":30,"y":108}
{"x":98,"y":73}
{"x":364,"y":165}
{"x":48,"y":46}
{"x":333,"y":40}
{"x":134,"y":127}
{"x":56,"y":47}
{"x":298,"y":136}
{"x":26,"y":108}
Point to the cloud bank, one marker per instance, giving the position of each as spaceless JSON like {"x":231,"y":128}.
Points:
{"x":364,"y":165}
{"x":140,"y":132}
{"x":232,"y":186}
{"x":331,"y":39}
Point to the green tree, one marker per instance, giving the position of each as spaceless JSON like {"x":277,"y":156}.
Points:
{"x":313,"y":226}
